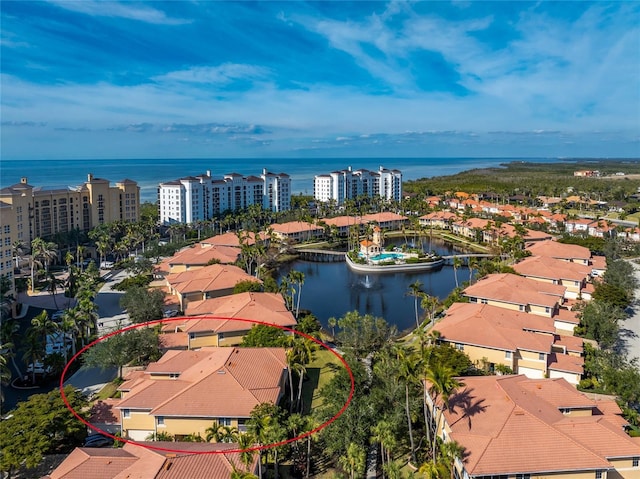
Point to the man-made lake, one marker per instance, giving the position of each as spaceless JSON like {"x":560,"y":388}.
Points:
{"x":332,"y":289}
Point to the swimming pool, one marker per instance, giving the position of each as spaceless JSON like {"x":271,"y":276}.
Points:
{"x":383,"y":256}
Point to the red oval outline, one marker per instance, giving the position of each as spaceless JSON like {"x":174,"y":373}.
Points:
{"x":215,"y":318}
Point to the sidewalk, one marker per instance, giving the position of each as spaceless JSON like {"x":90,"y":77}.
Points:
{"x":46,"y":300}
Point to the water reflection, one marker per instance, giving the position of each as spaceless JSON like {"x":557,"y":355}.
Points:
{"x":332,"y":289}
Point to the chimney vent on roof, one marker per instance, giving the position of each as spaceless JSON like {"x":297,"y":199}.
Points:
{"x":221,"y":371}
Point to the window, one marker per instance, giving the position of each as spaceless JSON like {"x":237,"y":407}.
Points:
{"x":523,"y":476}
{"x":126,"y":413}
{"x":224,"y":421}
{"x":459,"y":347}
{"x":160,"y":420}
{"x":598,"y":474}
{"x":635,"y":462}
{"x":507,"y":354}
{"x":521,"y":307}
{"x":541,"y":356}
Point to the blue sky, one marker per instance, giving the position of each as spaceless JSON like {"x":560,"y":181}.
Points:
{"x":101,"y":79}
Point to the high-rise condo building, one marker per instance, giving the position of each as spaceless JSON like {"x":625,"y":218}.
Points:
{"x":28,"y":212}
{"x":203,"y":197}
{"x":349,"y":184}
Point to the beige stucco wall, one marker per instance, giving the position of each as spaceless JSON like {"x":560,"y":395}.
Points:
{"x":477,"y":354}
{"x":138,"y":420}
{"x":624,"y":469}
{"x":204,"y":341}
{"x":173,"y":425}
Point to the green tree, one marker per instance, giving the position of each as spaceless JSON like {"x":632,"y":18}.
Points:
{"x":362,"y":334}
{"x":41,"y":425}
{"x":137,"y":347}
{"x":263,"y":336}
{"x":247,"y":286}
{"x":143,"y":305}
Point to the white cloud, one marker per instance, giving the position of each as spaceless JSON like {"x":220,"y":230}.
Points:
{"x":131,"y":11}
{"x":222,"y":74}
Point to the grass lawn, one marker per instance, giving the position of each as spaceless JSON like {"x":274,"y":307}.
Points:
{"x":319,"y":372}
{"x":109,"y":390}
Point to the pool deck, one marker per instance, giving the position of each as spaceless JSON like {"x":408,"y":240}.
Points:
{"x":392,"y":268}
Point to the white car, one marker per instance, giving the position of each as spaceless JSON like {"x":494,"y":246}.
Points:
{"x":170,"y":313}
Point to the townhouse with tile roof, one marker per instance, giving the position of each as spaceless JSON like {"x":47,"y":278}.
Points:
{"x":203,"y":283}
{"x":494,"y":337}
{"x":141,"y":462}
{"x":513,"y":426}
{"x":197,"y":256}
{"x":186,"y":391}
{"x":574,"y":276}
{"x":218,"y":328}
{"x":296,"y":231}
{"x":517,"y":293}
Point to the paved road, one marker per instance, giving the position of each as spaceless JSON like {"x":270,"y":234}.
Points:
{"x":632,"y":325}
{"x":91,"y":380}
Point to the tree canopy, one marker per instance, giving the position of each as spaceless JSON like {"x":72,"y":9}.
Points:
{"x":41,"y":425}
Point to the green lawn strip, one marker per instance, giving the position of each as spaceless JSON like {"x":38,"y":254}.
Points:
{"x":319,"y":372}
{"x":109,"y":390}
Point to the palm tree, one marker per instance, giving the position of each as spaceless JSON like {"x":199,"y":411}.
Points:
{"x":296,"y":278}
{"x":354,"y":461}
{"x":383,"y":434}
{"x":332,"y":324}
{"x":415,"y":290}
{"x":18,"y":248}
{"x":430,"y":305}
{"x":472,"y":263}
{"x":451,"y":450}
{"x":33,"y":352}
{"x":408,"y":374}
{"x":457,"y":262}
{"x":42,"y":326}
{"x":221,"y":433}
{"x":443,"y":383}
{"x":245,"y":442}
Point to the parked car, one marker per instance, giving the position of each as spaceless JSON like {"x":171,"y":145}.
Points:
{"x":170,"y":313}
{"x":97,"y":440}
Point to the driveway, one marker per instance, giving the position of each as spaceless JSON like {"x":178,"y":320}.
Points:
{"x":631,"y":327}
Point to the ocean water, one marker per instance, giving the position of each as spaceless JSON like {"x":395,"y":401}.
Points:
{"x":148,"y":173}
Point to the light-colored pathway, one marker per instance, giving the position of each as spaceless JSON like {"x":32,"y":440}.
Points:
{"x":632,"y":324}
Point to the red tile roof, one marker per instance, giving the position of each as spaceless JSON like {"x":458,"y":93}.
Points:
{"x":497,"y":328}
{"x":138,"y":462}
{"x":554,"y":249}
{"x":209,"y":278}
{"x":514,"y":289}
{"x":242,"y":378}
{"x":512,"y":424}
{"x":551,"y":268}
{"x":264,"y":307}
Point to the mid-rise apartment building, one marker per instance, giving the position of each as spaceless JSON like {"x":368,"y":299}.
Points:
{"x":28,"y":212}
{"x":202,"y":197}
{"x":343,"y":185}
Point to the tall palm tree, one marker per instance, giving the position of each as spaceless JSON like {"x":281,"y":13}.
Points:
{"x":430,"y":306}
{"x":457,"y":262}
{"x":451,"y":450}
{"x":245,"y":442}
{"x":42,"y":326}
{"x":296,"y":278}
{"x":415,"y":290}
{"x":33,"y":352}
{"x":354,"y":460}
{"x":408,"y":374}
{"x":443,"y":383}
{"x":18,"y":248}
